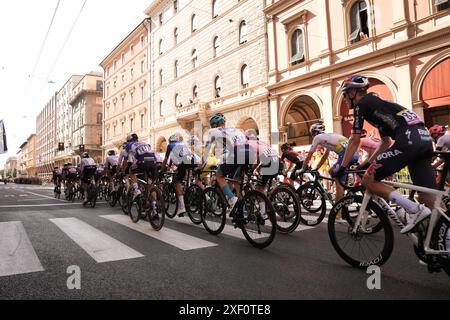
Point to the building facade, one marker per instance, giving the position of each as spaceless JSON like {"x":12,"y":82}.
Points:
{"x":402,"y":46}
{"x":65,"y":149}
{"x":10,"y":168}
{"x":126,"y":94}
{"x":207,"y":59}
{"x":87,"y":117}
{"x":46,"y":143}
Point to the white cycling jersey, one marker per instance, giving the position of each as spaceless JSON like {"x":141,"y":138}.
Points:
{"x":111,"y":161}
{"x":444,"y":141}
{"x":331,"y":141}
{"x":87,"y":162}
{"x":224,"y":140}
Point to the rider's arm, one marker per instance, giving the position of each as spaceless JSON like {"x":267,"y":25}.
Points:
{"x":310,"y":154}
{"x":352,"y":147}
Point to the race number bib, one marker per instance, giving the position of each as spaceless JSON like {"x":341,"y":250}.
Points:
{"x":143,"y":149}
{"x":410,"y":117}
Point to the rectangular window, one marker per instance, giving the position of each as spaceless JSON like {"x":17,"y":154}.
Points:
{"x":142,"y":66}
{"x":142,"y":94}
{"x":131,"y":124}
{"x":142,"y":121}
{"x":160,"y":19}
{"x":442,"y":4}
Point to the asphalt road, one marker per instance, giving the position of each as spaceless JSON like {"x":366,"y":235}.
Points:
{"x":44,"y":242}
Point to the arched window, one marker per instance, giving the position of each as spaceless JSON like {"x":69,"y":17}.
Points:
{"x":218,"y":86}
{"x":216,"y":46}
{"x":297,"y":47}
{"x":194,"y":58}
{"x":359,"y":22}
{"x":175,"y":36}
{"x":160,"y":46}
{"x":245,"y":76}
{"x":193,"y":23}
{"x":161,"y":104}
{"x":242,"y":32}
{"x":195,"y":92}
{"x":160,"y":77}
{"x":215,"y":8}
{"x":176,"y":69}
{"x":177,"y":100}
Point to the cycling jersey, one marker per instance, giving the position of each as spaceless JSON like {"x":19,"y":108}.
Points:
{"x":179,"y":152}
{"x":139,"y":151}
{"x":331,"y":141}
{"x":224,"y":140}
{"x":369,"y":144}
{"x":443,"y":141}
{"x":387,"y":116}
{"x":293,"y":157}
{"x":86,"y":162}
{"x":111,"y":161}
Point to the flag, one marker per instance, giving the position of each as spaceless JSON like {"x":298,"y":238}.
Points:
{"x":3,"y":146}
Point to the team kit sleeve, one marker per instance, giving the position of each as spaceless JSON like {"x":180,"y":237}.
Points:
{"x":358,"y":122}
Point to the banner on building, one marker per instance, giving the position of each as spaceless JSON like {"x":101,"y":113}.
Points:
{"x":3,"y":146}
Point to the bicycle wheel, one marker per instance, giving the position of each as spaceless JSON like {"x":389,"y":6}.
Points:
{"x":124,"y":201}
{"x":258,"y":229}
{"x":170,"y":199}
{"x":213,"y":210}
{"x":365,"y":247}
{"x":93,"y":196}
{"x":156,"y":214}
{"x":135,"y":209}
{"x":440,"y":240}
{"x":313,"y":201}
{"x":193,"y":202}
{"x":287,"y":208}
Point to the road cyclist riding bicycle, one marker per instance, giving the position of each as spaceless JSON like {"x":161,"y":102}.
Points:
{"x":56,"y":179}
{"x":88,"y":169}
{"x":412,"y":147}
{"x":295,"y":160}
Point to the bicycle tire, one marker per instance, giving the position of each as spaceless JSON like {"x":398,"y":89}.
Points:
{"x":93,"y":197}
{"x":157,"y":216}
{"x":287,"y":208}
{"x":170,"y":197}
{"x":336,"y":236}
{"x":213,"y":210}
{"x":440,"y":240}
{"x":307,"y":194}
{"x":253,"y":218}
{"x":192,"y":201}
{"x":135,"y":209}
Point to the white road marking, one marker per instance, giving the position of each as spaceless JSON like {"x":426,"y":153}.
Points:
{"x":172,"y":237}
{"x":100,"y":246}
{"x":17,"y":255}
{"x":39,"y":205}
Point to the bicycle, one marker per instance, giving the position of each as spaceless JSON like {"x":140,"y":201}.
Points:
{"x":154,"y":210}
{"x":431,"y":237}
{"x":257,"y":229}
{"x":313,"y":197}
{"x":57,"y":190}
{"x":92,"y":189}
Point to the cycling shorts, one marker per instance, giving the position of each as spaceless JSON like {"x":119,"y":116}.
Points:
{"x":413,"y":148}
{"x":181,"y":171}
{"x":353,"y":160}
{"x":148,"y":167}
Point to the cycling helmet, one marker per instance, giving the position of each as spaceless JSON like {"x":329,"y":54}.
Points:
{"x":437,"y":130}
{"x":217,"y":118}
{"x":85,"y":155}
{"x":111,"y":153}
{"x":175,"y":137}
{"x":132,"y":137}
{"x":316,"y":129}
{"x":251,"y":134}
{"x":355,"y":82}
{"x":285,"y":147}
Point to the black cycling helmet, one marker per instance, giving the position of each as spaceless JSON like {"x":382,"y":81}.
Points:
{"x":355,"y":82}
{"x":132,"y":137}
{"x":111,"y":153}
{"x":285,"y":147}
{"x":217,"y":119}
{"x":85,"y":155}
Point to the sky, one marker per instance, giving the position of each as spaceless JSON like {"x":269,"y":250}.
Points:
{"x":37,"y":59}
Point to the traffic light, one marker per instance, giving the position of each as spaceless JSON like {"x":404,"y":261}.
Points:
{"x":81,"y":148}
{"x":61,"y":146}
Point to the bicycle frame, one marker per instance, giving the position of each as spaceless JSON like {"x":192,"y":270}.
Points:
{"x":436,"y":213}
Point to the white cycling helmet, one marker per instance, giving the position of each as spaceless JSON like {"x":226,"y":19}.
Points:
{"x":316,"y":129}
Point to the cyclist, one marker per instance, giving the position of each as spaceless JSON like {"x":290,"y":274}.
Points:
{"x":179,"y":154}
{"x":224,"y":140}
{"x":332,"y":142}
{"x":412,"y":147}
{"x":71,"y":175}
{"x":442,"y":138}
{"x":295,"y":160}
{"x":88,"y":169}
{"x":196,"y":148}
{"x":57,"y":177}
{"x":111,"y":163}
{"x":143,"y":160}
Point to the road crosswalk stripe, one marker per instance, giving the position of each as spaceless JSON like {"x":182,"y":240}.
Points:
{"x":174,"y":238}
{"x":17,"y":255}
{"x":100,"y":246}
